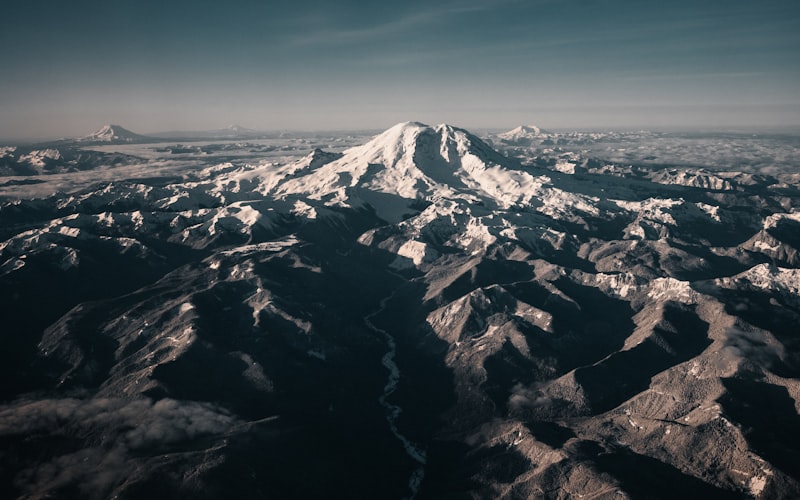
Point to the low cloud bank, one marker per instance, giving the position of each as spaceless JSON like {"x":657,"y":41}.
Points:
{"x":112,"y":437}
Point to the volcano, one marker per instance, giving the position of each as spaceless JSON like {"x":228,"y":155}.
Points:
{"x":419,"y":315}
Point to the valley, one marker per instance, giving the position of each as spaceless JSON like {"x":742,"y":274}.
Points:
{"x":419,"y":313}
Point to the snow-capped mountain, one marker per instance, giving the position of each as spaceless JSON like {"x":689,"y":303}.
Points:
{"x":113,"y":134}
{"x":416,"y":315}
{"x":413,"y":162}
{"x":522,"y":135}
{"x":238,"y":129}
{"x":231,"y":132}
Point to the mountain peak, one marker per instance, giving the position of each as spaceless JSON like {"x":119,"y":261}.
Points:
{"x":238,"y":128}
{"x":112,"y":133}
{"x":319,"y":157}
{"x":422,"y":134}
{"x":417,"y":145}
{"x":523,"y":133}
{"x":410,"y":161}
{"x":530,"y":129}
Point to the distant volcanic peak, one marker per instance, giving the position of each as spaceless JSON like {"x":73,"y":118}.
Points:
{"x":523,"y":132}
{"x":112,"y":133}
{"x":528,"y":129}
{"x":238,"y":129}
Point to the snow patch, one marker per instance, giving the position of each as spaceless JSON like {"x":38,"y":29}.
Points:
{"x":40,"y":157}
{"x":267,"y":246}
{"x":711,"y":210}
{"x":303,"y":209}
{"x":565,"y":167}
{"x":417,"y":251}
{"x":655,"y":209}
{"x":671,"y":289}
{"x":773,"y":220}
{"x":771,"y":278}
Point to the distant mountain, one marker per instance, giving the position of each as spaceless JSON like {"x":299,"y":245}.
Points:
{"x":113,"y":134}
{"x":238,"y":129}
{"x":231,"y":132}
{"x":69,"y":155}
{"x":56,"y":158}
{"x":522,"y":135}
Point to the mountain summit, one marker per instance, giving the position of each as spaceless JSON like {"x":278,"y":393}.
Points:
{"x":412,"y":161}
{"x":523,"y":134}
{"x":414,"y":143}
{"x":113,"y":134}
{"x":238,"y":128}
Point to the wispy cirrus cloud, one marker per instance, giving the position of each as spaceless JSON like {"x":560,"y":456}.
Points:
{"x":401,"y":22}
{"x":689,"y":76}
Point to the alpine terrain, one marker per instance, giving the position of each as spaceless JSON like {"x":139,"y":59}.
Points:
{"x":427,"y":314}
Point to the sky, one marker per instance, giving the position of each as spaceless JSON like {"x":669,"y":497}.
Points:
{"x":67,"y":68}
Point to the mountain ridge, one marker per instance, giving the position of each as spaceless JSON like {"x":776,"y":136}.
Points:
{"x":416,"y":315}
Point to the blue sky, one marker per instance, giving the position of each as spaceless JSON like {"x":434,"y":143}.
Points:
{"x":69,"y":67}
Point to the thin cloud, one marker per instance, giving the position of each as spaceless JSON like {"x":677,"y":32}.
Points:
{"x":117,"y":434}
{"x":691,"y":76}
{"x":403,"y":24}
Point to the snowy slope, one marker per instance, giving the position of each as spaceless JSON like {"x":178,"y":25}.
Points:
{"x":412,"y":162}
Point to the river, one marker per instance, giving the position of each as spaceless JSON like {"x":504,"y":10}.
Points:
{"x":393,"y":411}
